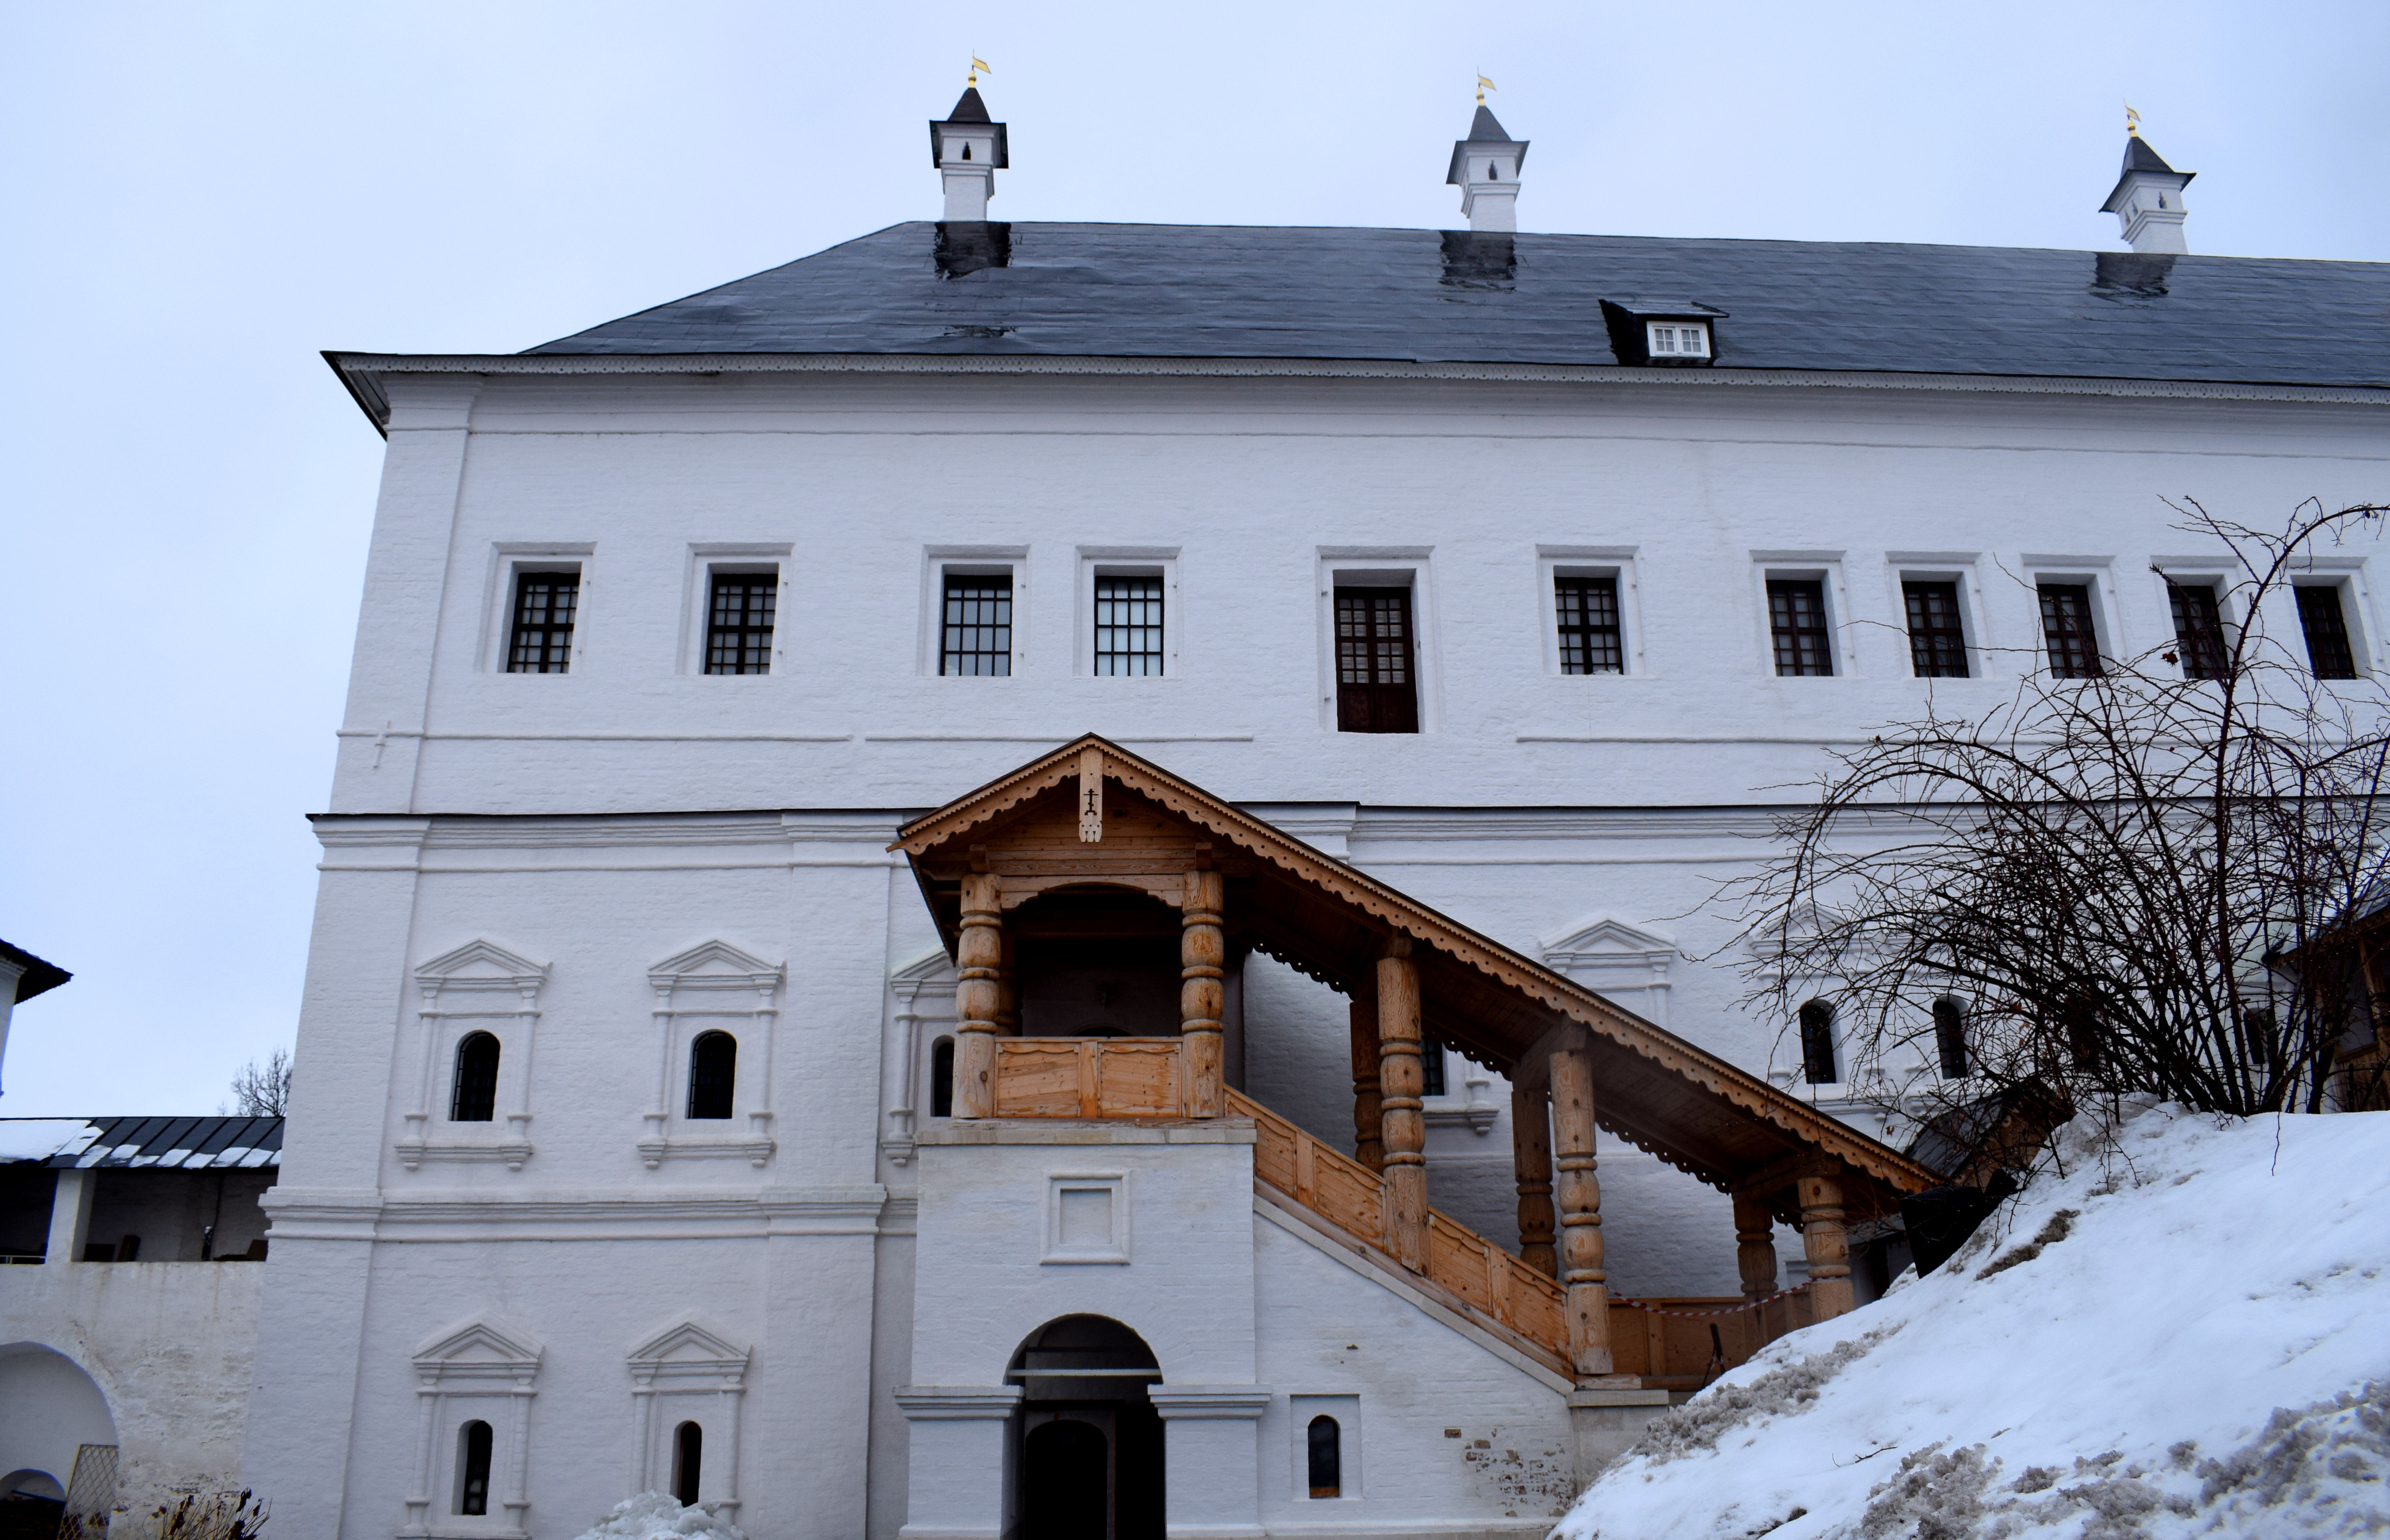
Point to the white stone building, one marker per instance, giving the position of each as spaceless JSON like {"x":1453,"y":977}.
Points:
{"x":1515,"y":574}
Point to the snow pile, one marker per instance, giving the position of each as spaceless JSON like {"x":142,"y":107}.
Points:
{"x":654,"y":1516}
{"x":2189,"y":1337}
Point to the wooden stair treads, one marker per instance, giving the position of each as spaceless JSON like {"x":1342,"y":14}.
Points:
{"x":1462,"y":1264}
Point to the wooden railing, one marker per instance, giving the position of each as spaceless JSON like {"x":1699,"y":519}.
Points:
{"x":1089,"y":1077}
{"x":1463,"y":1263}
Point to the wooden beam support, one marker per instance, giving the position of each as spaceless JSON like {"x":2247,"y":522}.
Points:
{"x":1368,"y":1142}
{"x":1755,"y":1248}
{"x":1402,"y":1126}
{"x":1531,"y":1158}
{"x":978,"y":999}
{"x":1582,"y":1272}
{"x":1823,"y":1238}
{"x":1202,"y":956}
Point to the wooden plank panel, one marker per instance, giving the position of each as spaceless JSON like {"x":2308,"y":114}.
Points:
{"x":1630,"y":1345}
{"x":1537,"y":1313}
{"x":1455,"y":1259}
{"x":1139,"y":1078}
{"x":1348,"y":1193}
{"x":1036,"y":1078}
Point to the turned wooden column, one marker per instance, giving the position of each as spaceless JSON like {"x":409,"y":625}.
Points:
{"x":1823,"y":1238}
{"x":1202,"y":954}
{"x":1580,"y":1204}
{"x":978,"y":999}
{"x":1369,"y":1144}
{"x":1754,"y":1247}
{"x":1402,"y":1127}
{"x":1531,"y":1158}
{"x":1008,"y":998}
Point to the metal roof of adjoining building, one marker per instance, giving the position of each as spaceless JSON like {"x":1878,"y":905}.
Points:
{"x":184,"y":1144}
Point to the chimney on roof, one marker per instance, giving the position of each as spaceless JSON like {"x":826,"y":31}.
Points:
{"x":1486,"y":169}
{"x":2148,"y":199}
{"x":969,"y":150}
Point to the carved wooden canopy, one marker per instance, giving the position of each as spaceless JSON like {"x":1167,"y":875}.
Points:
{"x":1091,"y":817}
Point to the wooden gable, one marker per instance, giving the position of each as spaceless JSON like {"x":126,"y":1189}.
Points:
{"x":1091,"y":819}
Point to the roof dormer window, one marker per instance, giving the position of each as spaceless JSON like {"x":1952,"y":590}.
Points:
{"x":1678,"y":339}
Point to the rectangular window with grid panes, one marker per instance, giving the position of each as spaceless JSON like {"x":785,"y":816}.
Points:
{"x":1588,"y":612}
{"x":2198,"y":630}
{"x":1796,"y":624}
{"x":738,"y":622}
{"x":2068,"y":630}
{"x":540,"y":638}
{"x":1937,"y":642}
{"x":976,"y":628}
{"x":1128,"y":625}
{"x":1377,"y":689}
{"x":2325,"y":623}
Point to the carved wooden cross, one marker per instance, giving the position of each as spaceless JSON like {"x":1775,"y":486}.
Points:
{"x":1091,"y":796}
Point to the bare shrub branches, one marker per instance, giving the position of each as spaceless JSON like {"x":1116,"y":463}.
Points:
{"x":2137,"y":882}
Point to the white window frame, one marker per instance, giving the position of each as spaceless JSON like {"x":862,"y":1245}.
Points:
{"x":937,"y":562}
{"x":480,"y":986}
{"x":2095,"y":572}
{"x":688,"y":1374}
{"x":1954,"y":567}
{"x":509,"y":561}
{"x":1346,"y":1410}
{"x":1615,"y":562}
{"x":1819,"y":567}
{"x":1700,"y":331}
{"x":1381,"y":567}
{"x":2212,"y":571}
{"x":2347,"y":575}
{"x":714,"y":987}
{"x":730,"y":559}
{"x":483,"y":1373}
{"x":1115,"y":1184}
{"x":1097,"y":562}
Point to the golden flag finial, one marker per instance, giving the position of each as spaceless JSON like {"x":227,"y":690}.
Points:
{"x":1484,"y":86}
{"x":978,"y":64}
{"x":2132,"y":122}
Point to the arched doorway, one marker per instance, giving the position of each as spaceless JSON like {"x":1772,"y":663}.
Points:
{"x":50,"y":1413}
{"x":1090,"y":1447}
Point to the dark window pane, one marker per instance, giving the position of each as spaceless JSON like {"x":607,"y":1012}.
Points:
{"x":1431,"y":1069}
{"x":1375,"y":691}
{"x":541,"y":638}
{"x":976,"y":634}
{"x":1325,"y":1458}
{"x":941,"y":1078}
{"x":1128,"y":625}
{"x":2067,"y":630}
{"x":1588,"y":626}
{"x":1817,"y":1044}
{"x":738,"y":623}
{"x":1951,"y":1038}
{"x":2326,"y":627}
{"x":1796,"y":618}
{"x":2198,"y":630}
{"x":688,"y":1454}
{"x":473,"y":1468}
{"x":476,"y":1096}
{"x":1938,"y":644}
{"x":713,"y":1073}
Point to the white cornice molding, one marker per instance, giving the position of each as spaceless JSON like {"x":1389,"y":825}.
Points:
{"x":363,"y":373}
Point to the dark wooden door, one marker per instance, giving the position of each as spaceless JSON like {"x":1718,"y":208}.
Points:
{"x":1377,"y":672}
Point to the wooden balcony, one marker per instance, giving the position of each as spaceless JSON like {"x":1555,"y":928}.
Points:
{"x":1131,"y":1078}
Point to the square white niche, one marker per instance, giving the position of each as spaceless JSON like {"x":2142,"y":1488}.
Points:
{"x":1086,"y":1218}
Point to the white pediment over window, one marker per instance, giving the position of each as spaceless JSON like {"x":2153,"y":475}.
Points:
{"x":477,"y":1350}
{"x":1618,"y":959}
{"x":716,"y":965}
{"x":480,"y":966}
{"x":688,"y":1357}
{"x":931,"y":973}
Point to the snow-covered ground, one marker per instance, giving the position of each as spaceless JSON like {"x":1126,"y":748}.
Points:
{"x":655,"y":1516}
{"x":2190,"y":1336}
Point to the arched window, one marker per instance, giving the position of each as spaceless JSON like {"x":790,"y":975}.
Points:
{"x":1951,"y":1038}
{"x":1326,"y":1457}
{"x":476,"y":1099}
{"x":688,"y":1450}
{"x":941,"y":1078}
{"x":1817,"y":1044}
{"x":473,"y":1468}
{"x":713,"y":1071}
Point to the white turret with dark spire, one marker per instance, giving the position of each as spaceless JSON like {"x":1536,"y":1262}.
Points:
{"x":1486,"y":169}
{"x":2148,"y":199}
{"x":969,"y":150}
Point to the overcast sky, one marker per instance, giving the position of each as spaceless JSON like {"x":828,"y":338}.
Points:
{"x":198,"y":197}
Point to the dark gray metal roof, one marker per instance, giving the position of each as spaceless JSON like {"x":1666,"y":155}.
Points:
{"x":186,"y":1144}
{"x":1233,"y":292}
